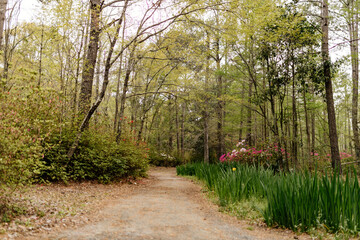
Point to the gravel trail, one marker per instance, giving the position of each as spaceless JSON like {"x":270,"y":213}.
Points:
{"x":171,"y":207}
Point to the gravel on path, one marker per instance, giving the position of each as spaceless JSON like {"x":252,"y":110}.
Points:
{"x":171,"y":207}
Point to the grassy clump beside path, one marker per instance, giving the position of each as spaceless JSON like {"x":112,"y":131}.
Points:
{"x":299,"y":201}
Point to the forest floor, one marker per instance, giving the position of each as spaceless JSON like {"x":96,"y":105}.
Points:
{"x":162,"y":206}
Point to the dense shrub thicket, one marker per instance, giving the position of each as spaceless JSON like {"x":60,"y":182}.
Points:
{"x":26,"y":120}
{"x":299,"y":201}
{"x":98,"y":157}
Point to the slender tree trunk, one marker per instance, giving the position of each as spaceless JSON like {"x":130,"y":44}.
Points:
{"x":307,"y":126}
{"x":346,"y":128}
{"x":220,"y":103}
{"x":123,"y":98}
{"x":91,"y":56}
{"x":354,"y":52}
{"x":335,"y":155}
{"x":183,"y":131}
{"x":177,"y":127}
{"x":97,"y":84}
{"x":206,"y":103}
{"x":313,"y":137}
{"x":295,"y":120}
{"x":98,"y":73}
{"x":170,"y":136}
{"x":241,"y":124}
{"x":143,"y":114}
{"x":3,"y":6}
{"x":265,"y":136}
{"x":5,"y":48}
{"x":77,"y":74}
{"x":41,"y":54}
{"x":117,"y":96}
{"x":249,"y":139}
{"x":301,"y":142}
{"x":349,"y":135}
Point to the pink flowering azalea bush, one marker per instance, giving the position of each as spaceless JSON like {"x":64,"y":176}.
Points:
{"x":322,"y":162}
{"x":265,"y":154}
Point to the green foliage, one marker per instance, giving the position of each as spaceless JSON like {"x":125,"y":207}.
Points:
{"x":163,"y":159}
{"x":231,"y":182}
{"x":264,"y":154}
{"x":302,"y":201}
{"x":299,"y":201}
{"x":26,"y":119}
{"x":98,"y":157}
{"x":293,"y":202}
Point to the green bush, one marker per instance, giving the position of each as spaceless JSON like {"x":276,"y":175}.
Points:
{"x":163,"y":159}
{"x":98,"y":157}
{"x":26,"y":119}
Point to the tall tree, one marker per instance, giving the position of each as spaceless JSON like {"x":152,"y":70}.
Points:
{"x":353,"y":25}
{"x":334,"y":144}
{"x":91,"y":56}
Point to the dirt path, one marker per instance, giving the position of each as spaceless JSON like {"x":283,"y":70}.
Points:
{"x":171,"y":207}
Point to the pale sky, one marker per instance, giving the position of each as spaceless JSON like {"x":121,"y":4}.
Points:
{"x":28,"y":9}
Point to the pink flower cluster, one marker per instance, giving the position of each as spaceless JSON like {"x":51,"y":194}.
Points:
{"x":343,"y":155}
{"x":259,"y":155}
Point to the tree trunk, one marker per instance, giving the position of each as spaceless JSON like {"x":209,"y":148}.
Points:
{"x":313,"y":139}
{"x":3,"y":6}
{"x":220,"y":103}
{"x":90,"y":60}
{"x":177,"y":127}
{"x":170,"y":136}
{"x":123,"y":98}
{"x":265,"y":134}
{"x":117,"y":96}
{"x":77,"y":74}
{"x":295,"y":121}
{"x":41,"y":54}
{"x":335,"y":155}
{"x":97,"y":84}
{"x":301,"y":142}
{"x":249,"y":116}
{"x":354,"y":52}
{"x":206,"y":103}
{"x":90,"y":112}
{"x":182,"y":139}
{"x":307,"y":126}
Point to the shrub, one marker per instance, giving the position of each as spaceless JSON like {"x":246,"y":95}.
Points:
{"x":27,"y":117}
{"x":264,"y":154}
{"x":163,"y":159}
{"x":98,"y":157}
